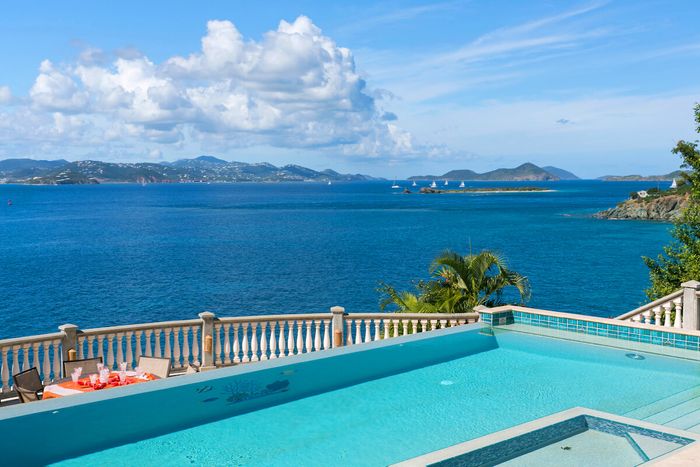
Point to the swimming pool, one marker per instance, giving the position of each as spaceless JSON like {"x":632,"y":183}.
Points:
{"x":372,"y":404}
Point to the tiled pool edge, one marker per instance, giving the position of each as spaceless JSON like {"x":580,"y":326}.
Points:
{"x":561,"y":419}
{"x":603,"y":327}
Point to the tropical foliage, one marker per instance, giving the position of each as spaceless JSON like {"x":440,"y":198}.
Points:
{"x":680,"y":261}
{"x":458,"y":284}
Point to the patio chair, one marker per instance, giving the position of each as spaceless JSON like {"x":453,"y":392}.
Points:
{"x":28,"y":385}
{"x":155,"y":366}
{"x":89,"y":366}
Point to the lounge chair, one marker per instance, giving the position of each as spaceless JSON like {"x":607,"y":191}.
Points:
{"x":155,"y":366}
{"x":89,"y":366}
{"x":28,"y":385}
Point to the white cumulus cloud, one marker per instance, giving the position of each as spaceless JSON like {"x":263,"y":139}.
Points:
{"x":295,"y":88}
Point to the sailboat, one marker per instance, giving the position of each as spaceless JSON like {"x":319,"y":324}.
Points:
{"x":395,"y":185}
{"x":414,"y":183}
{"x":329,"y":182}
{"x":674,"y":185}
{"x":461,"y":185}
{"x":446,"y":183}
{"x":433,"y":185}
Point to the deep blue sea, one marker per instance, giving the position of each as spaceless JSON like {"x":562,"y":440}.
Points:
{"x":111,"y":254}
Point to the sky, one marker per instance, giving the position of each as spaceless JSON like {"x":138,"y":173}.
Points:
{"x":388,"y":88}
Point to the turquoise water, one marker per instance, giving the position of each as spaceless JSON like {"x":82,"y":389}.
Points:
{"x":397,"y":417}
{"x":117,"y":254}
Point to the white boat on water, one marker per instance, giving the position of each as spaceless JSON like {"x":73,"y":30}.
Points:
{"x":674,"y":185}
{"x":329,"y":182}
{"x":446,"y":183}
{"x":414,"y":183}
{"x":395,"y":185}
{"x":433,"y":185}
{"x":461,"y":185}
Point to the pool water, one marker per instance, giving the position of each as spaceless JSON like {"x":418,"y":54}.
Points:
{"x":393,"y":418}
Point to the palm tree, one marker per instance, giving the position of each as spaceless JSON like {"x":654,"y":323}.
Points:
{"x":459,"y":284}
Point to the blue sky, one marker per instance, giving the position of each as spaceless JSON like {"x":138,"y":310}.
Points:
{"x":387,"y":88}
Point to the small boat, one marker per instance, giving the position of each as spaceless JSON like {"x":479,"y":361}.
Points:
{"x":395,"y":185}
{"x":674,"y":185}
{"x":329,"y":182}
{"x":414,"y":183}
{"x":433,"y":185}
{"x":446,"y":183}
{"x":461,"y":185}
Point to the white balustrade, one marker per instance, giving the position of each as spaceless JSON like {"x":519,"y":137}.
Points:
{"x":42,"y":352}
{"x":234,"y":340}
{"x":176,"y":340}
{"x":665,"y":312}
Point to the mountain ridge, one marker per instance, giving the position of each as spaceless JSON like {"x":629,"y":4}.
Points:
{"x":524,"y":172}
{"x":199,"y":169}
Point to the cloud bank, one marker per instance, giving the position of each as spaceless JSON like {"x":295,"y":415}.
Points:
{"x":295,"y":88}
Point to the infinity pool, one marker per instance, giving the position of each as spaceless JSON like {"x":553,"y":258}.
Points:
{"x":374,"y":404}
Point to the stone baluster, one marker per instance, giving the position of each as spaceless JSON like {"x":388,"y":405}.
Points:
{"x":186,"y":346}
{"x":195,"y":346}
{"x":110,"y":351}
{"x":678,"y":319}
{"x":273,"y":339}
{"x":414,"y":326}
{"x":5,"y":370}
{"x":317,"y":335}
{"x":309,"y":338}
{"x":282,"y":342}
{"x":647,"y":317}
{"x":327,"y":334}
{"x":227,"y":343}
{"x":56,"y":359}
{"x":657,"y":315}
{"x":377,"y":329}
{"x":300,"y":337}
{"x":368,"y":330}
{"x":46,"y":365}
{"x":404,"y":327}
{"x":263,"y":340}
{"x":290,"y":338}
{"x":120,"y":349}
{"x":668,"y":307}
{"x":254,"y":342}
{"x":244,"y":343}
{"x":15,"y":359}
{"x":177,"y":352}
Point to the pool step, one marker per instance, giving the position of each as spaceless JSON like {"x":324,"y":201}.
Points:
{"x":644,"y":412}
{"x":686,"y":421}
{"x":676,"y":412}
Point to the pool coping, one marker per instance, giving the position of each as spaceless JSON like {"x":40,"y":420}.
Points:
{"x":51,"y":405}
{"x":528,"y":427}
{"x":676,"y":338}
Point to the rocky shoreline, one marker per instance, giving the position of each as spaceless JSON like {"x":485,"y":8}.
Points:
{"x":664,"y":208}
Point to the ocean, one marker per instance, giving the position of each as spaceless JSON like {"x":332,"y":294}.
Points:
{"x":100,"y":255}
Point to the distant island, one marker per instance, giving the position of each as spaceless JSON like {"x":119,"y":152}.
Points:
{"x":498,"y":189}
{"x":525,"y":172}
{"x":641,"y":178}
{"x":203,"y":169}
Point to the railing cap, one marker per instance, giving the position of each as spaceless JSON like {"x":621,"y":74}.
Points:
{"x":691,"y":285}
{"x":337,"y":309}
{"x":66,"y":327}
{"x":207,"y":315}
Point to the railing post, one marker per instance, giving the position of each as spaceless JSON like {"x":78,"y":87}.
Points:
{"x":691,"y":311}
{"x":207,"y":336}
{"x":69,"y":342}
{"x":337,"y":325}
